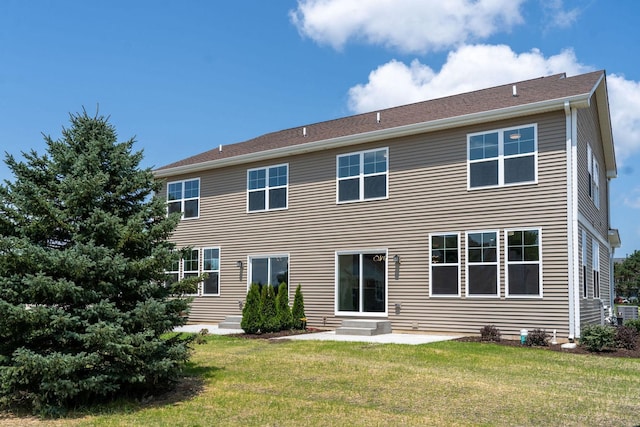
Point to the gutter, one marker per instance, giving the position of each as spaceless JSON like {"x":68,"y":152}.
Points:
{"x":571,"y":126}
{"x":577,"y":101}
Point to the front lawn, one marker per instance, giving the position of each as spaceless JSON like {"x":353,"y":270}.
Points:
{"x":240,"y":382}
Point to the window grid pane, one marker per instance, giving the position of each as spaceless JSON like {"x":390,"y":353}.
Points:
{"x":267,"y":188}
{"x":362,"y":176}
{"x":183,"y":196}
{"x":523,"y":262}
{"x":502,"y":157}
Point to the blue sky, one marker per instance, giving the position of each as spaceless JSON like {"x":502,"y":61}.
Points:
{"x":184,"y":77}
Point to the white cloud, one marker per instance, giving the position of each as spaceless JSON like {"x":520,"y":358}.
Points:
{"x":624,"y":102}
{"x":396,"y":83}
{"x":405,"y":25}
{"x":557,"y":15}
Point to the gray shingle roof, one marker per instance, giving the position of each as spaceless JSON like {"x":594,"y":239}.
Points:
{"x":542,"y":89}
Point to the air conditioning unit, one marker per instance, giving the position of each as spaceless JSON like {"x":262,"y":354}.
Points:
{"x":627,"y":312}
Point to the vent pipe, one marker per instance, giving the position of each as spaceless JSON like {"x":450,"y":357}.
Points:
{"x":515,"y":90}
{"x":220,"y":148}
{"x":378,"y":117}
{"x":304,"y":131}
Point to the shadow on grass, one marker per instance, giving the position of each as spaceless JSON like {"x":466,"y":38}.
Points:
{"x":188,"y":386}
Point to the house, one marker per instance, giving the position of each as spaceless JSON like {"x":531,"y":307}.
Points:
{"x":488,"y":207}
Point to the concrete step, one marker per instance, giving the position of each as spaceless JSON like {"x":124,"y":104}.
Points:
{"x":230,"y":322}
{"x":364,"y":327}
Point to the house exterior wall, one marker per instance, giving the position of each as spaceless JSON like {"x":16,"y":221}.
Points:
{"x":593,"y":219}
{"x":427,"y":193}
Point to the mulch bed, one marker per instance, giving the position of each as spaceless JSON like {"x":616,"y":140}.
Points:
{"x":618,"y":352}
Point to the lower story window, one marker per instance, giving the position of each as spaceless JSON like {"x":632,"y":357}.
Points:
{"x":269,"y":270}
{"x":524,"y":265}
{"x":361,"y":282}
{"x":482,"y":263}
{"x":595,"y":254}
{"x":211,"y":266}
{"x":445,"y":264}
{"x":194,"y":263}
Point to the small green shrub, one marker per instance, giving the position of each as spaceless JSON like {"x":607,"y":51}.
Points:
{"x":626,"y":337}
{"x":490,"y":333}
{"x":251,"y":311}
{"x":297,"y":312}
{"x":537,"y":337}
{"x":598,"y":337}
{"x":283,"y":311}
{"x":268,"y":315}
{"x":633,"y":323}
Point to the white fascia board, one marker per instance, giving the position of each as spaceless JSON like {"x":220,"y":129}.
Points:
{"x":578,"y":101}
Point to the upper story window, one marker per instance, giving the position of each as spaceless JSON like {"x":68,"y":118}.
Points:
{"x":593,"y":172}
{"x":524,"y":263}
{"x":502,"y":157}
{"x":184,"y":197}
{"x":267,"y":188}
{"x":363,"y":175}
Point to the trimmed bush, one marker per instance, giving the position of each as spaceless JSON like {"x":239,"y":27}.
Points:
{"x":490,"y":333}
{"x":626,"y":337}
{"x":283,"y":311}
{"x":537,"y":337}
{"x":251,"y":312}
{"x":598,"y":337}
{"x":297,"y":312}
{"x":633,"y":323}
{"x":268,"y":315}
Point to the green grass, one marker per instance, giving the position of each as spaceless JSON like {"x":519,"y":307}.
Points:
{"x":307,"y":383}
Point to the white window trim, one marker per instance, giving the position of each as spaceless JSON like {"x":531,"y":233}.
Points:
{"x":361,"y":176}
{"x":593,"y":175}
{"x":197,"y":271}
{"x":202,"y":270}
{"x":431,"y":264}
{"x":267,"y":188}
{"x":501,"y":157}
{"x":250,"y":259}
{"x":185,"y":199}
{"x":507,"y":263}
{"x":595,"y":265}
{"x":386,"y":284}
{"x":496,"y":263}
{"x":585,"y":269}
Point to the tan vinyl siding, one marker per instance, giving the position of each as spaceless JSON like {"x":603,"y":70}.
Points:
{"x":595,"y":220}
{"x":427,"y":194}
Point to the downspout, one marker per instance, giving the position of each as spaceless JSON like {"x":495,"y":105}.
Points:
{"x":612,"y":250}
{"x":571,"y":120}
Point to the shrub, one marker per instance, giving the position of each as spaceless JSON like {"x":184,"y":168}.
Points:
{"x":283,"y":311}
{"x":633,"y":323}
{"x":598,"y":337}
{"x":297,"y":312}
{"x":268,"y":317}
{"x":537,"y":337}
{"x":83,"y":250}
{"x":626,"y":337}
{"x":490,"y":333}
{"x":251,"y":312}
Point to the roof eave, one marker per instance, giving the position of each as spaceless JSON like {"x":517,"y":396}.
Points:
{"x":577,"y":101}
{"x":606,"y":132}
